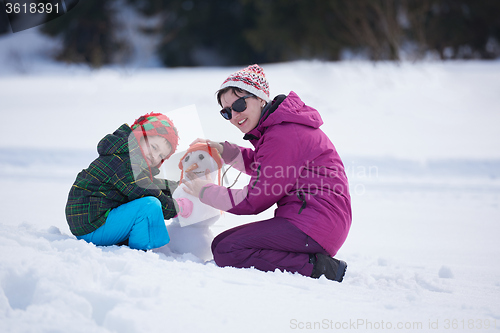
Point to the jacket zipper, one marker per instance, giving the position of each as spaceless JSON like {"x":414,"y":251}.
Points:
{"x":302,"y":198}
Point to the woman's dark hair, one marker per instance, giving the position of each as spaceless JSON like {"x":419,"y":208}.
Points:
{"x":235,"y":90}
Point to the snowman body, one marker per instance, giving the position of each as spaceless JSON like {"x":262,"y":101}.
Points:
{"x":192,"y":234}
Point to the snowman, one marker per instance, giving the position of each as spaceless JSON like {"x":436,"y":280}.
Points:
{"x":192,"y":234}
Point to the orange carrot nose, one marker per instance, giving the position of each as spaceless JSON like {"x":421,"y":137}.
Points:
{"x":192,"y":167}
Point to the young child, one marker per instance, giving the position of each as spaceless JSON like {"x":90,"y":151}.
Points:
{"x":117,"y":199}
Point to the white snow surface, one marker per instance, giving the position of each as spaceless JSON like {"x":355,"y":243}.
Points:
{"x":420,"y":143}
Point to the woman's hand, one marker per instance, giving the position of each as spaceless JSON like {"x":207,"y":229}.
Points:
{"x":195,"y":184}
{"x":213,"y":144}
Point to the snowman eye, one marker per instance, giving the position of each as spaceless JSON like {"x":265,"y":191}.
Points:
{"x":201,"y":156}
{"x":186,"y":159}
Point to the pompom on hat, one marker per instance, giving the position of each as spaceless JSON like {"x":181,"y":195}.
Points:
{"x":152,"y":124}
{"x":251,"y":79}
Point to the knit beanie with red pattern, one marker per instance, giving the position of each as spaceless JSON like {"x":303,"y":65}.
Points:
{"x":251,"y":79}
{"x":152,"y":124}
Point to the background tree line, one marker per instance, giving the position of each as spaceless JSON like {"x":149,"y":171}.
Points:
{"x":238,"y":32}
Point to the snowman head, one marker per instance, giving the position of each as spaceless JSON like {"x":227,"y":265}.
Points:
{"x":199,"y":158}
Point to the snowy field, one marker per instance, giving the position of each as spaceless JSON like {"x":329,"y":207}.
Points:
{"x":420,"y":143}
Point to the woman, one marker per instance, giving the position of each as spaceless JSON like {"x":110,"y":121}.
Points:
{"x":293,"y":165}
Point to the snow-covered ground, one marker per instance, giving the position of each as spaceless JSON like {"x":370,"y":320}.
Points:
{"x":420,"y":143}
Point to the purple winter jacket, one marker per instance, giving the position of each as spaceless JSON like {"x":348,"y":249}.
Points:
{"x":295,"y":166}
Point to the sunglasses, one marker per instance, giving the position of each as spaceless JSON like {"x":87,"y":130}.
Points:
{"x":239,"y":105}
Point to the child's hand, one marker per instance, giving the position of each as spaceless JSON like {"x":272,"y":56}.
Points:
{"x":186,"y":207}
{"x":195,"y":184}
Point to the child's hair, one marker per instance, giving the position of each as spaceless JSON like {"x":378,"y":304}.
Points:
{"x":152,"y":124}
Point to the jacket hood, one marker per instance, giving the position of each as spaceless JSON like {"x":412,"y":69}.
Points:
{"x":122,"y":141}
{"x":116,"y":143}
{"x":288,"y":110}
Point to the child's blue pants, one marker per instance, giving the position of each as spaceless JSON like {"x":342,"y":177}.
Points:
{"x":140,"y":221}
